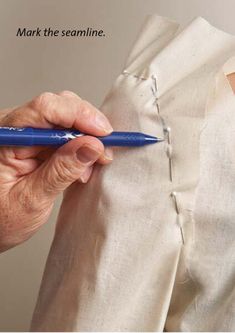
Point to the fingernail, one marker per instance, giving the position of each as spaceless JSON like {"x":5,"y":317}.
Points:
{"x":86,"y":175}
{"x":103,"y":123}
{"x":83,"y":179}
{"x":108,"y":154}
{"x":87,"y":154}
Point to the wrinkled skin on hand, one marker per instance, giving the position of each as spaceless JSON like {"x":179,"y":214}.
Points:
{"x":32,"y":177}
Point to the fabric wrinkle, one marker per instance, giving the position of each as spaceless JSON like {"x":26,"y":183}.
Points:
{"x":150,"y":237}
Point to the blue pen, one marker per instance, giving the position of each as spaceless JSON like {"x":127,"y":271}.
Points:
{"x":28,"y":136}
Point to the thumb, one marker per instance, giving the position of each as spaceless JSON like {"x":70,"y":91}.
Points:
{"x":66,"y":165}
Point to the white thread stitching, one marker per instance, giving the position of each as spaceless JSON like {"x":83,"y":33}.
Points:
{"x":167,"y":136}
{"x":134,"y":75}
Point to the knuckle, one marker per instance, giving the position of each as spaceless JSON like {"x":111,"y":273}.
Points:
{"x":11,"y":119}
{"x":63,"y":171}
{"x":68,"y":93}
{"x":85,"y":109}
{"x":43,"y":102}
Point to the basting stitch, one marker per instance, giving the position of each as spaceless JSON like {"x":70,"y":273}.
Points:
{"x":125,"y":72}
{"x":174,"y":197}
{"x":167,"y":136}
{"x":166,"y":129}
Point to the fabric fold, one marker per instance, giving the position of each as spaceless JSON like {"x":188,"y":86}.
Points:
{"x":134,"y":248}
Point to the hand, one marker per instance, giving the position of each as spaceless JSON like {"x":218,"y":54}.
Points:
{"x":231,"y":78}
{"x":32,"y":177}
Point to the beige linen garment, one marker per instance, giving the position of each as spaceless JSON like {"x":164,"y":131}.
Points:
{"x":148,"y":244}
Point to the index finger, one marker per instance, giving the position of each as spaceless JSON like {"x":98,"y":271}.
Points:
{"x":65,"y":109}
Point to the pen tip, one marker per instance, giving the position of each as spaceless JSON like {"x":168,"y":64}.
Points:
{"x":153,"y":139}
